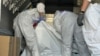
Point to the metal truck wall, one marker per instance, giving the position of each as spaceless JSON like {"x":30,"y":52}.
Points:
{"x":9,"y":10}
{"x":0,"y":10}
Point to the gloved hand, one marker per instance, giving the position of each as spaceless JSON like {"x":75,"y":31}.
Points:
{"x":40,"y":19}
{"x":80,"y":18}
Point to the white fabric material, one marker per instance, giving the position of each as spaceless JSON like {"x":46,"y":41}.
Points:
{"x":41,"y":7}
{"x":91,"y":29}
{"x":71,"y":33}
{"x":23,"y":26}
{"x":49,"y":40}
{"x":58,"y":20}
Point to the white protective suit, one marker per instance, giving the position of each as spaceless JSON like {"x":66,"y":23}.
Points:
{"x":23,"y":26}
{"x":72,"y":37}
{"x":91,"y":29}
{"x":24,"y":23}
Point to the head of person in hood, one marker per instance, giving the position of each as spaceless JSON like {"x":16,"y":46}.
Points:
{"x":41,"y":8}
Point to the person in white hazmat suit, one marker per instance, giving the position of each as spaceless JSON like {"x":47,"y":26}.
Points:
{"x":23,"y":26}
{"x":65,"y":24}
{"x":91,"y":25}
{"x":40,"y":41}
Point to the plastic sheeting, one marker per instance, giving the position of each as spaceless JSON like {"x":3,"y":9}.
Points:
{"x":91,"y":29}
{"x":49,"y":41}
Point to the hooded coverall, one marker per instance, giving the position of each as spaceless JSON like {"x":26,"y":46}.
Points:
{"x":71,"y":34}
{"x":23,"y":26}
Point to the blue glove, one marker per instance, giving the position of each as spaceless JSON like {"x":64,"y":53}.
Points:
{"x":40,"y":19}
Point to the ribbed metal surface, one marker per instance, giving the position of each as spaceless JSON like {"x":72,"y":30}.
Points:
{"x":9,"y":10}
